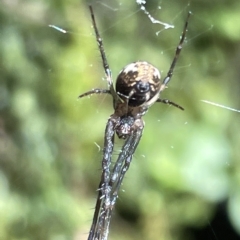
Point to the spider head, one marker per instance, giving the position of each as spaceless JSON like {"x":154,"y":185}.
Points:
{"x":139,"y":82}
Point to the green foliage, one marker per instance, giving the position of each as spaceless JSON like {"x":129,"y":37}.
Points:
{"x":187,"y":162}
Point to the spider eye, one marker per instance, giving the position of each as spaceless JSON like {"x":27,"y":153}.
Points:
{"x":140,"y":81}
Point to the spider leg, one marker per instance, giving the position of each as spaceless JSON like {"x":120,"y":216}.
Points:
{"x":177,"y":53}
{"x":94,"y":232}
{"x":166,"y":101}
{"x":120,"y":168}
{"x":103,"y":56}
{"x":95,"y":91}
{"x":123,"y":162}
{"x":98,"y":227}
{"x":118,"y":172}
{"x":126,"y":156}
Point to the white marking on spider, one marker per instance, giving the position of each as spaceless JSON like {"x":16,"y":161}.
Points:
{"x":132,"y":67}
{"x":157,"y":74}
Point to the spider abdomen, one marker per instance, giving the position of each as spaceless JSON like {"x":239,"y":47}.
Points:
{"x":138,"y":82}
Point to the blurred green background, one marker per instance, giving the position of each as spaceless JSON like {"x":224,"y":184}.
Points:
{"x":186,"y":170}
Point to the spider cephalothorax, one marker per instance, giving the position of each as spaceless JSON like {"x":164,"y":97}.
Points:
{"x":138,"y":86}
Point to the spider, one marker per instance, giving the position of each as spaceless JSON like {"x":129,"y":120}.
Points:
{"x":138,"y":87}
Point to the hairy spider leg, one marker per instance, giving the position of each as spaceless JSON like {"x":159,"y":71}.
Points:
{"x":167,"y":79}
{"x":120,"y":168}
{"x":103,"y":56}
{"x":103,"y":200}
{"x":124,"y":161}
{"x":177,"y":53}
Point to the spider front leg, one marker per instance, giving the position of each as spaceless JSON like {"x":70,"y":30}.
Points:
{"x":98,"y":228}
{"x":123,"y":162}
{"x":119,"y":170}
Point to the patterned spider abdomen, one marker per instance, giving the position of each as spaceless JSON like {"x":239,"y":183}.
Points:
{"x":138,"y":81}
